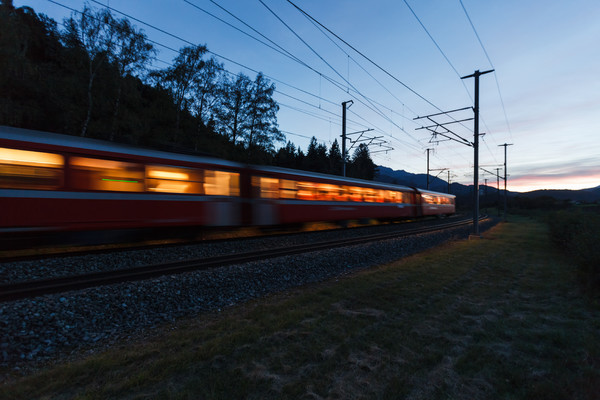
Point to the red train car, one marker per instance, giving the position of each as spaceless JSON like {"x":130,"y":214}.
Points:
{"x":283,"y":196}
{"x":53,"y":183}
{"x":435,"y":203}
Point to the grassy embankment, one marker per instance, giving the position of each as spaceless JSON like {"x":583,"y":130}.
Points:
{"x":502,"y":317}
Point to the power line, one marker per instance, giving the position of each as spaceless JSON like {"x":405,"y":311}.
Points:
{"x":356,"y":62}
{"x":372,"y":106}
{"x":327,"y":63}
{"x":476,"y":34}
{"x":491,"y":64}
{"x":432,"y":39}
{"x":274,"y":45}
{"x":452,"y":66}
{"x":371,"y":101}
{"x":346,"y":43}
{"x":365,"y":57}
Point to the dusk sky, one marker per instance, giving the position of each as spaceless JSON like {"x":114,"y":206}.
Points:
{"x":544,"y":96}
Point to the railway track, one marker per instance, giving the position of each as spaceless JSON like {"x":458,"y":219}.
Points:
{"x":29,"y":289}
{"x":217,"y":236}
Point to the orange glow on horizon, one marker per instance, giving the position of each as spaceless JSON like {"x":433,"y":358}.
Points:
{"x":530,"y":183}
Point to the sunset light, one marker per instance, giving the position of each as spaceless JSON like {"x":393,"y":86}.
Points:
{"x":536,"y":182}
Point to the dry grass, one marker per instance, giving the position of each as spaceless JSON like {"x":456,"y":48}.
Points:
{"x":498,"y":318}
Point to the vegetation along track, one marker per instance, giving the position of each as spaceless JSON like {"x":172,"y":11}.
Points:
{"x":39,"y":287}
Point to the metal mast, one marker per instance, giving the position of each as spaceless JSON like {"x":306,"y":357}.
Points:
{"x":476,"y":75}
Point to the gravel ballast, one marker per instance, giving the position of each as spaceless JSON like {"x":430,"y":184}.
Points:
{"x":46,"y":329}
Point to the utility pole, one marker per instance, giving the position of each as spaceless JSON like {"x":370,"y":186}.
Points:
{"x":448,"y":181}
{"x":344,"y":135}
{"x":505,"y":145}
{"x":428,"y":150}
{"x":498,"y":190}
{"x":476,"y":75}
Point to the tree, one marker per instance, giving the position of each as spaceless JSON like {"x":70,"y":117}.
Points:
{"x":335,"y":159}
{"x":131,"y":55}
{"x":316,"y":157}
{"x":230,"y":110}
{"x":286,"y":156}
{"x":205,"y":94}
{"x":261,"y":113}
{"x":300,"y":156}
{"x":362,"y":166}
{"x":91,"y":31}
{"x":29,"y":53}
{"x":247,"y":113}
{"x":180,"y":78}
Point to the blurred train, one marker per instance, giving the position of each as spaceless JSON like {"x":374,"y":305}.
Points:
{"x":52,"y":183}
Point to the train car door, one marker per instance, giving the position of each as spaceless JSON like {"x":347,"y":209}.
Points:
{"x":265,"y":210}
{"x":418,"y":202}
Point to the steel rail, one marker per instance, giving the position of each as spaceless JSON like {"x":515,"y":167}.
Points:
{"x":33,"y":288}
{"x":83,"y":250}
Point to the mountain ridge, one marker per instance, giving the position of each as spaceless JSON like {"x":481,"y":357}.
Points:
{"x":401,"y":177}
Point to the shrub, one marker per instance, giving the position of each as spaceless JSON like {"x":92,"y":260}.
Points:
{"x":578,"y":234}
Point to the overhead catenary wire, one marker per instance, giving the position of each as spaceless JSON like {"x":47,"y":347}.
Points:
{"x":370,"y":75}
{"x":450,"y":63}
{"x":491,"y":64}
{"x":372,"y":106}
{"x":438,"y":47}
{"x":363,"y":55}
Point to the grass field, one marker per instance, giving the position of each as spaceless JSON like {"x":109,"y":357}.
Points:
{"x":498,"y":318}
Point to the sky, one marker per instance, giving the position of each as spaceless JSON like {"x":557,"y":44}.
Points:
{"x":399,"y":60}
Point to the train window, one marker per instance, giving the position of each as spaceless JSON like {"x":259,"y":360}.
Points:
{"x":23,"y":169}
{"x":160,"y":178}
{"x":99,"y":174}
{"x":429,"y":199}
{"x":369,"y":195}
{"x":398,"y":197}
{"x":326,"y":192}
{"x":287,"y":189}
{"x":390,"y":196}
{"x":341,"y":193}
{"x":306,"y":191}
{"x":432,"y":199}
{"x":268,"y":188}
{"x":221,"y":183}
{"x":355,"y":193}
{"x":312,"y":191}
{"x":372,"y":195}
{"x":446,"y":200}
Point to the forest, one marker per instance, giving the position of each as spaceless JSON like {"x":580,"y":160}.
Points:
{"x":92,"y":75}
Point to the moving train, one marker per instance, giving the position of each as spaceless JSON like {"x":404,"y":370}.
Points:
{"x":52,"y":183}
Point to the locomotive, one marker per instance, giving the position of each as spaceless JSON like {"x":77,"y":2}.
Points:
{"x":52,"y":183}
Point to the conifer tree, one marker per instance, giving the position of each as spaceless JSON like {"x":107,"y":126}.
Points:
{"x":335,"y":159}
